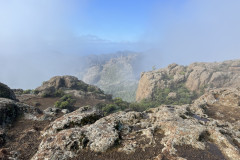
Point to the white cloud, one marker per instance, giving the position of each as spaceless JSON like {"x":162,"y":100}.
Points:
{"x":200,"y":30}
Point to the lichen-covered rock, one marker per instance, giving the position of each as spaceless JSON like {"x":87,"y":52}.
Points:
{"x":198,"y":77}
{"x":229,"y":97}
{"x":6,"y":92}
{"x":166,"y":126}
{"x":221,"y":104}
{"x":83,"y":116}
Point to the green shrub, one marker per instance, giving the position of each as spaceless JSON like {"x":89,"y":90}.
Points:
{"x":182,"y":73}
{"x":117,"y":104}
{"x":28,"y":91}
{"x":45,"y":95}
{"x":94,"y":89}
{"x":59,"y":93}
{"x":82,"y":86}
{"x":35,"y":92}
{"x":184,"y":96}
{"x":91,"y":88}
{"x":65,"y":102}
{"x":122,"y":105}
{"x":142,"y":106}
{"x":109,"y":108}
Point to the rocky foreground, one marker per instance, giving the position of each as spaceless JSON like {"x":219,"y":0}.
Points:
{"x":24,"y":114}
{"x":166,"y":132}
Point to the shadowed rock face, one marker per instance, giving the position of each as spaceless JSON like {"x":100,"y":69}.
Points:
{"x":10,"y":110}
{"x":174,"y":129}
{"x":196,"y":77}
{"x":6,"y":92}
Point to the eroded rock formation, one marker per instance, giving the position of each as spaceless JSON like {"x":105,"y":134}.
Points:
{"x":198,"y":77}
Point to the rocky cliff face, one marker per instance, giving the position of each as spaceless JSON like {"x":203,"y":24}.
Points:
{"x":166,"y":132}
{"x":117,"y":75}
{"x":197,"y":77}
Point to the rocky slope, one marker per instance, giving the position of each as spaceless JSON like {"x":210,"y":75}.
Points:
{"x":197,"y":77}
{"x":22,"y":121}
{"x":12,"y":110}
{"x":166,"y":132}
{"x":115,"y":74}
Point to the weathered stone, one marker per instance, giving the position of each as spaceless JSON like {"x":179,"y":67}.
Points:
{"x":83,"y":116}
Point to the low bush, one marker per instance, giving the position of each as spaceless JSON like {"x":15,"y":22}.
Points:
{"x":65,"y":102}
{"x":82,"y":86}
{"x":59,"y":93}
{"x":28,"y":91}
{"x":117,"y":104}
{"x":183,"y":95}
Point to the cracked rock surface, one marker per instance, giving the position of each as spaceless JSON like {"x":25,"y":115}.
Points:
{"x":165,"y":132}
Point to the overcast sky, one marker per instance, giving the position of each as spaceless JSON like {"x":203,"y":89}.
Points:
{"x":43,"y":38}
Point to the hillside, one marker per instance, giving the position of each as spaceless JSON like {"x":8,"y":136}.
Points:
{"x":115,"y":74}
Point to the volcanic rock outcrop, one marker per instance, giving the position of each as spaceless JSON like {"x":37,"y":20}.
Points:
{"x":166,"y":132}
{"x":68,"y":84}
{"x":198,"y":77}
